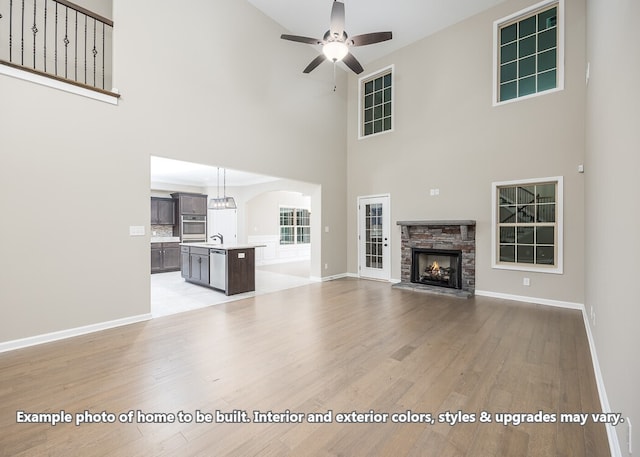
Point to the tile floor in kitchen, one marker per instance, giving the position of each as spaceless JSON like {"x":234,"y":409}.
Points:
{"x":170,"y":294}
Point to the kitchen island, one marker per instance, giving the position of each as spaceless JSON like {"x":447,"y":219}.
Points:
{"x":228,"y":268}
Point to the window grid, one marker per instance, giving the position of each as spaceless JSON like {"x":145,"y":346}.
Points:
{"x":528,"y":54}
{"x":527,"y":224}
{"x":373,"y":236}
{"x":295,"y":226}
{"x":376,"y":104}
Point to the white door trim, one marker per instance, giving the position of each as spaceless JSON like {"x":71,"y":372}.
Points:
{"x":385,"y":273}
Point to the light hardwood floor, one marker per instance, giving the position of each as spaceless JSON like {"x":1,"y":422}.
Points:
{"x":345,"y":345}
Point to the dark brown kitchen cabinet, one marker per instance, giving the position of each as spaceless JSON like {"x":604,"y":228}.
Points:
{"x":191,"y":204}
{"x":241,"y":271}
{"x":165,"y":257}
{"x":163,"y":211}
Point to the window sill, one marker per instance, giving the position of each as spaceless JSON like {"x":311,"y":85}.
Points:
{"x":553,"y":270}
{"x":527,"y":97}
{"x":364,"y":137}
{"x":35,"y":76}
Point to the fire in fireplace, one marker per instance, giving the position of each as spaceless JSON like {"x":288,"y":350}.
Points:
{"x":437,"y":267}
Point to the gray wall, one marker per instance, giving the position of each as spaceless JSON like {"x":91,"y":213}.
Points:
{"x":81,"y":168}
{"x":447,"y":135}
{"x":612,"y":218}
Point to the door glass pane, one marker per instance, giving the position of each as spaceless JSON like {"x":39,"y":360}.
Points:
{"x":373,"y":235}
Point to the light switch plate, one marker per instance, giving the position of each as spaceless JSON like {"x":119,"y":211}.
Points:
{"x":136,"y":230}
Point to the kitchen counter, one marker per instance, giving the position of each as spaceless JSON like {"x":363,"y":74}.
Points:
{"x":229,"y":268}
{"x":226,"y":247}
{"x":165,"y":239}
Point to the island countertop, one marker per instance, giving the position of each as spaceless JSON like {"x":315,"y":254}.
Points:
{"x":226,"y":247}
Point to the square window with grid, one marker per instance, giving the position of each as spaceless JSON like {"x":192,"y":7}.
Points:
{"x":295,"y":226}
{"x":376,"y":110}
{"x":527,"y":224}
{"x":528,"y":53}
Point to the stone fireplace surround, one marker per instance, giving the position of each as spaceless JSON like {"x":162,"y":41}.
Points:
{"x":446,"y":235}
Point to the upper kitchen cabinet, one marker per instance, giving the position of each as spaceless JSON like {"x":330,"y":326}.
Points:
{"x":191,"y":204}
{"x":162,"y":211}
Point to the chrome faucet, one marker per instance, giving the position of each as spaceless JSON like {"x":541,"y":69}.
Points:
{"x":219,"y":236}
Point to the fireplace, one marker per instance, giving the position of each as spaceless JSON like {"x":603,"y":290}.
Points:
{"x":437,"y":267}
{"x":438,"y":257}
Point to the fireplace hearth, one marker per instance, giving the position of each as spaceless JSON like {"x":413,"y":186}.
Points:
{"x":438,"y":257}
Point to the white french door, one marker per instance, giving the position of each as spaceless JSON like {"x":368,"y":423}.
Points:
{"x":374,"y":249}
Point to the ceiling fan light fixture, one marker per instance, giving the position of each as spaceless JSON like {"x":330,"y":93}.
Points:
{"x":335,"y":51}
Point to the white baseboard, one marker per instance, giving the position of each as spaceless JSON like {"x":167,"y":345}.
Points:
{"x":525,"y":299}
{"x":614,"y":444}
{"x":69,"y":333}
{"x":329,"y":278}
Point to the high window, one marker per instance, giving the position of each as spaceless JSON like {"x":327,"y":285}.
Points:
{"x":295,"y":226}
{"x":527,"y":232}
{"x":376,"y":103}
{"x":528,"y":52}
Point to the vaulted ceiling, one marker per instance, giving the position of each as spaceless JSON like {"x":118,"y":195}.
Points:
{"x":409,"y":20}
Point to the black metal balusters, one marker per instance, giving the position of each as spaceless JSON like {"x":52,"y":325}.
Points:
{"x":47,"y":25}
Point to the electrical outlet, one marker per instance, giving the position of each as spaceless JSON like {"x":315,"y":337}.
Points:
{"x":326,"y":266}
{"x":526,"y":282}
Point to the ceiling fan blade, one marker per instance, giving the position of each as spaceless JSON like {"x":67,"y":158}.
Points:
{"x":301,"y":39}
{"x":314,"y":63}
{"x":353,"y":63}
{"x":337,"y":19}
{"x":369,"y":38}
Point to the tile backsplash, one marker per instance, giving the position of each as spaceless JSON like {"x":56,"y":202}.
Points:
{"x":162,"y":230}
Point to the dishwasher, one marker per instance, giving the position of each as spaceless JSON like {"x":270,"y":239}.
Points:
{"x":218,"y":268}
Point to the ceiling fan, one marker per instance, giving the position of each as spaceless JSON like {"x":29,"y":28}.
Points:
{"x":336,"y":43}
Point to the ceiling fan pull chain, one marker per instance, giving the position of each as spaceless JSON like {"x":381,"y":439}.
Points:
{"x":334,"y":75}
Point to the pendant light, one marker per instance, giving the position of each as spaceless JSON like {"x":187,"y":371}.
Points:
{"x":223,"y":202}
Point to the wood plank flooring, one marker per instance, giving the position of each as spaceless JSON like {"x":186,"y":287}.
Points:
{"x":341,"y":346}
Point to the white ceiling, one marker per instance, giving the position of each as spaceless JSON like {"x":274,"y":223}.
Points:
{"x":409,"y":20}
{"x":171,"y":171}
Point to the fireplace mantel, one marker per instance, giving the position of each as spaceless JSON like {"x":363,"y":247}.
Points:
{"x":464,"y":224}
